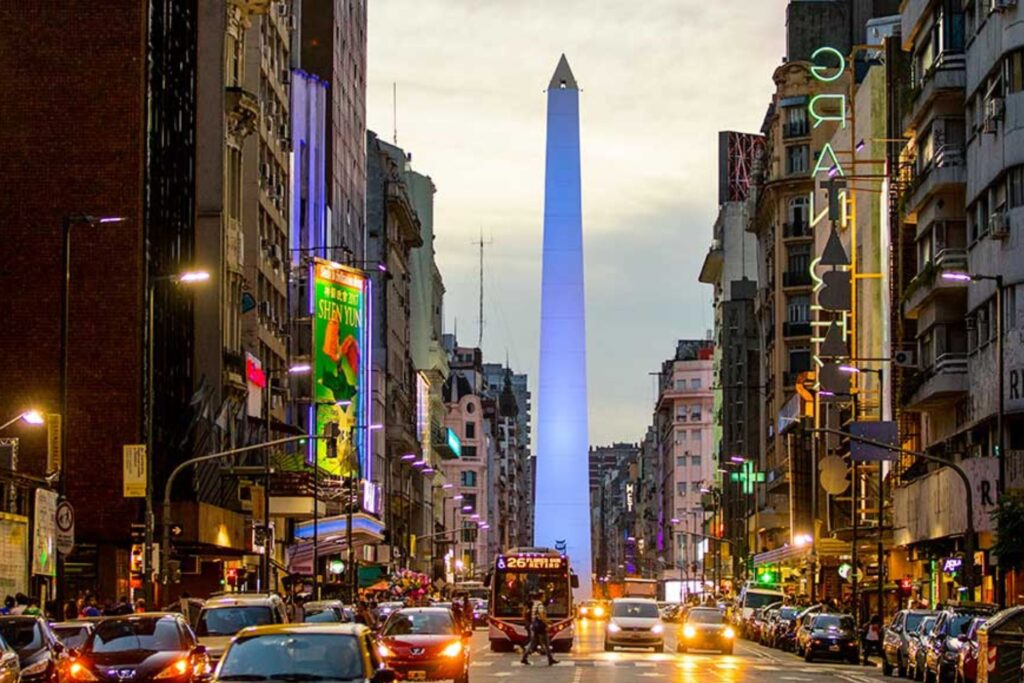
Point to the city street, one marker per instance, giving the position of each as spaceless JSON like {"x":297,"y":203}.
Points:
{"x":589,"y":662}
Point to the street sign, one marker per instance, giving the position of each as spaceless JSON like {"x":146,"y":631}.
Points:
{"x":65,"y":528}
{"x":54,"y":446}
{"x":134,"y":456}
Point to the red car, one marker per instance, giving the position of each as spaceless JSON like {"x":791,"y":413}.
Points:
{"x":425,"y":644}
{"x":967,"y":659}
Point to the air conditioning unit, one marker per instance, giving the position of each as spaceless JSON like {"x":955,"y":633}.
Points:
{"x":281,"y":9}
{"x":999,"y":224}
{"x":995,"y":110}
{"x":286,"y":76}
{"x":905,"y":358}
{"x":282,"y":130}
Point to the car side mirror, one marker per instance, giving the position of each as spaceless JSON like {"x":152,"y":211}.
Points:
{"x":384,"y":676}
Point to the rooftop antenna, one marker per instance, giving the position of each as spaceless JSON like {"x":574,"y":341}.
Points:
{"x":481,"y":244}
{"x":394,"y":113}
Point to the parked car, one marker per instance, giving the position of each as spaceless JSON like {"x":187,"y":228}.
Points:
{"x":634,"y":622}
{"x":10,"y":668}
{"x":756,"y":623}
{"x":223,"y":616}
{"x":896,"y":639}
{"x":159,"y":646}
{"x":831,"y":636}
{"x":917,"y":648}
{"x":72,"y":634}
{"x":752,"y":598}
{"x":425,"y":644}
{"x":779,"y":628}
{"x":327,"y":612}
{"x":385,"y":610}
{"x":304,"y":652}
{"x":967,"y":661}
{"x":706,"y":628}
{"x":40,"y":654}
{"x":944,"y":645}
{"x":479,"y":612}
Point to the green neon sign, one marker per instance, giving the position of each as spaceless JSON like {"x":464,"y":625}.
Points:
{"x":819,"y":71}
{"x":748,"y":477}
{"x":453,"y":443}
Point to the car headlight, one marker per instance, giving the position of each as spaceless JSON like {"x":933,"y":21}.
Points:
{"x":77,"y":671}
{"x":384,"y":651}
{"x":728,"y":632}
{"x":598,"y":612}
{"x":453,"y":650}
{"x":657,"y":628}
{"x":583,"y":611}
{"x":175,"y":670}
{"x":689,"y":631}
{"x":37,"y":668}
{"x":613,"y":627}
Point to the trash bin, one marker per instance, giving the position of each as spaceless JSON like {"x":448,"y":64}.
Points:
{"x":1000,"y":643}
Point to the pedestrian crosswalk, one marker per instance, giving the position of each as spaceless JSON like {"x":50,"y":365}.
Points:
{"x":584,"y":662}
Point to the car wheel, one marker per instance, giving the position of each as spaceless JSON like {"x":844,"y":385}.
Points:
{"x":659,"y":648}
{"x":808,"y":657}
{"x":464,"y":678}
{"x":901,"y":666}
{"x":608,"y":647}
{"x":886,"y":666}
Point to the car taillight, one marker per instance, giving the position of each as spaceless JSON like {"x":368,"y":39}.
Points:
{"x":177,"y":669}
{"x":80,"y":672}
{"x":453,"y":650}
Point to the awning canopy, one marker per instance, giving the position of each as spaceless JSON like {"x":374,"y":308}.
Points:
{"x":792,"y":554}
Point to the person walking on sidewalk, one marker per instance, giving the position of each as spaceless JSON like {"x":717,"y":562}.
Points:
{"x":538,"y":625}
{"x":872,"y":642}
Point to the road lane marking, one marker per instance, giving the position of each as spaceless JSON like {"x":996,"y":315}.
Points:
{"x":577,"y":676}
{"x":480,"y":663}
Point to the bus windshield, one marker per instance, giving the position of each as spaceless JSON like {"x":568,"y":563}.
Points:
{"x":512,"y":593}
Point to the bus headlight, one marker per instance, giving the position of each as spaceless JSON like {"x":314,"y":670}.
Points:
{"x":689,"y":631}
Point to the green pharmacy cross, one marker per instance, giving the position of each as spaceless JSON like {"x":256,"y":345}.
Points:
{"x":748,"y":476}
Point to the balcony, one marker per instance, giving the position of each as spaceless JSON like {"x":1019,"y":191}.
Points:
{"x":945,"y":380}
{"x":791,"y":329}
{"x":945,"y":172}
{"x":243,"y":110}
{"x":799,"y":230}
{"x":796,"y":278}
{"x":946,"y":75}
{"x":928,"y":285}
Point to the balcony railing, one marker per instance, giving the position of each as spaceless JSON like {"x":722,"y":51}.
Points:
{"x":796,"y":329}
{"x":796,"y":278}
{"x":796,"y":129}
{"x":796,"y":230}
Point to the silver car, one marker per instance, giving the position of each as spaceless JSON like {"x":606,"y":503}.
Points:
{"x":634,"y":622}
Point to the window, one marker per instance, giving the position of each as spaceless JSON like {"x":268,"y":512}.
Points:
{"x":695,"y":383}
{"x":681,"y":413}
{"x":680,"y":436}
{"x":681,"y":488}
{"x":695,"y":414}
{"x":797,"y":159}
{"x":468,"y":478}
{"x":680,"y":461}
{"x":694,"y":487}
{"x":681,"y":542}
{"x":471,"y":430}
{"x":695,"y":435}
{"x":796,"y":122}
{"x":695,"y":460}
{"x":1014,"y":75}
{"x":469,"y":532}
{"x":799,"y":360}
{"x":799,"y":259}
{"x":798,"y":211}
{"x":680,"y":385}
{"x":799,"y":309}
{"x":469,"y":500}
{"x":1015,"y":186}
{"x":1009,"y":308}
{"x":979,"y":224}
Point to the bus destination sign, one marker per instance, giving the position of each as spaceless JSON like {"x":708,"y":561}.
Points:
{"x":531,"y":562}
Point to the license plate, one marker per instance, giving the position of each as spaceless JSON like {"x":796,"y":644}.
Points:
{"x":417,"y":675}
{"x":833,"y":648}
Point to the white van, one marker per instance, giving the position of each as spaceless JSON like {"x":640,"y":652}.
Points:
{"x":752,"y":598}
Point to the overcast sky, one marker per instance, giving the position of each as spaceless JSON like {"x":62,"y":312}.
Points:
{"x":659,"y":79}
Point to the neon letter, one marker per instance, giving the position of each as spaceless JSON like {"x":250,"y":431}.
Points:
{"x":823,"y":165}
{"x":822,"y":118}
{"x":818,"y":71}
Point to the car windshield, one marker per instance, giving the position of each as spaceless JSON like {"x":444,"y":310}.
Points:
{"x":420,"y":623}
{"x":513,"y":590}
{"x":293,"y":657}
{"x":833,"y":621}
{"x":972,"y":632}
{"x":24,"y":636}
{"x":121,"y":635}
{"x":635,"y":610}
{"x":227,"y":621}
{"x":705,"y":616}
{"x":926,"y":625}
{"x":72,"y":636}
{"x":913,"y":621}
{"x":758,"y":600}
{"x":959,"y":623}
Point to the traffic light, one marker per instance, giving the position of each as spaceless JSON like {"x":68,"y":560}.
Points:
{"x":904,"y":588}
{"x":232,"y":577}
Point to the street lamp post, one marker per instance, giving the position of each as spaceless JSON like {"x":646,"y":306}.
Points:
{"x":189,"y":277}
{"x":32,"y":417}
{"x":65,"y":318}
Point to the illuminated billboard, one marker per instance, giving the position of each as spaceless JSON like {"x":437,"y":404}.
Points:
{"x":339,"y":300}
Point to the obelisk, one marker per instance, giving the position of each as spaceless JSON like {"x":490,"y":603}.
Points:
{"x":562,"y":505}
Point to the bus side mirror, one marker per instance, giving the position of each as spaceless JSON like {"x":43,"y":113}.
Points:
{"x":574,"y":581}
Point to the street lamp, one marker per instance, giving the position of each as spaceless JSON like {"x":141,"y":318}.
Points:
{"x":65,"y":317}
{"x":998,"y":280}
{"x":32,"y":417}
{"x":184,"y":278}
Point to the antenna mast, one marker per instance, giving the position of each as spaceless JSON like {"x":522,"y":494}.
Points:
{"x":394,"y":113}
{"x":481,"y":244}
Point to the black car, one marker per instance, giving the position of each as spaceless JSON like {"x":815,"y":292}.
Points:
{"x":830,"y":635}
{"x":72,"y":634}
{"x":39,"y":651}
{"x":897,"y":637}
{"x":944,"y":644}
{"x":141,"y":647}
{"x":780,"y":633}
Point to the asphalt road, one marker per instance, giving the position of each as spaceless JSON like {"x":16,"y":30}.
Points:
{"x":589,"y":663}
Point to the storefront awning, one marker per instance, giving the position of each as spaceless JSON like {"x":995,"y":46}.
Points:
{"x":792,"y":554}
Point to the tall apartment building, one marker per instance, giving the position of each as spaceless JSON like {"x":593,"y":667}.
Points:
{"x":333,"y":37}
{"x":683,"y":417}
{"x":731,"y":268}
{"x":511,"y":514}
{"x":614,"y":506}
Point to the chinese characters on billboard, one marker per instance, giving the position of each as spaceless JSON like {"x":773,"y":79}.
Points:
{"x":339,"y":298}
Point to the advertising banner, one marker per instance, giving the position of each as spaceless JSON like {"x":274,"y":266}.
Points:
{"x":13,"y":554}
{"x":339,"y":341}
{"x":44,"y":532}
{"x":134,"y":464}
